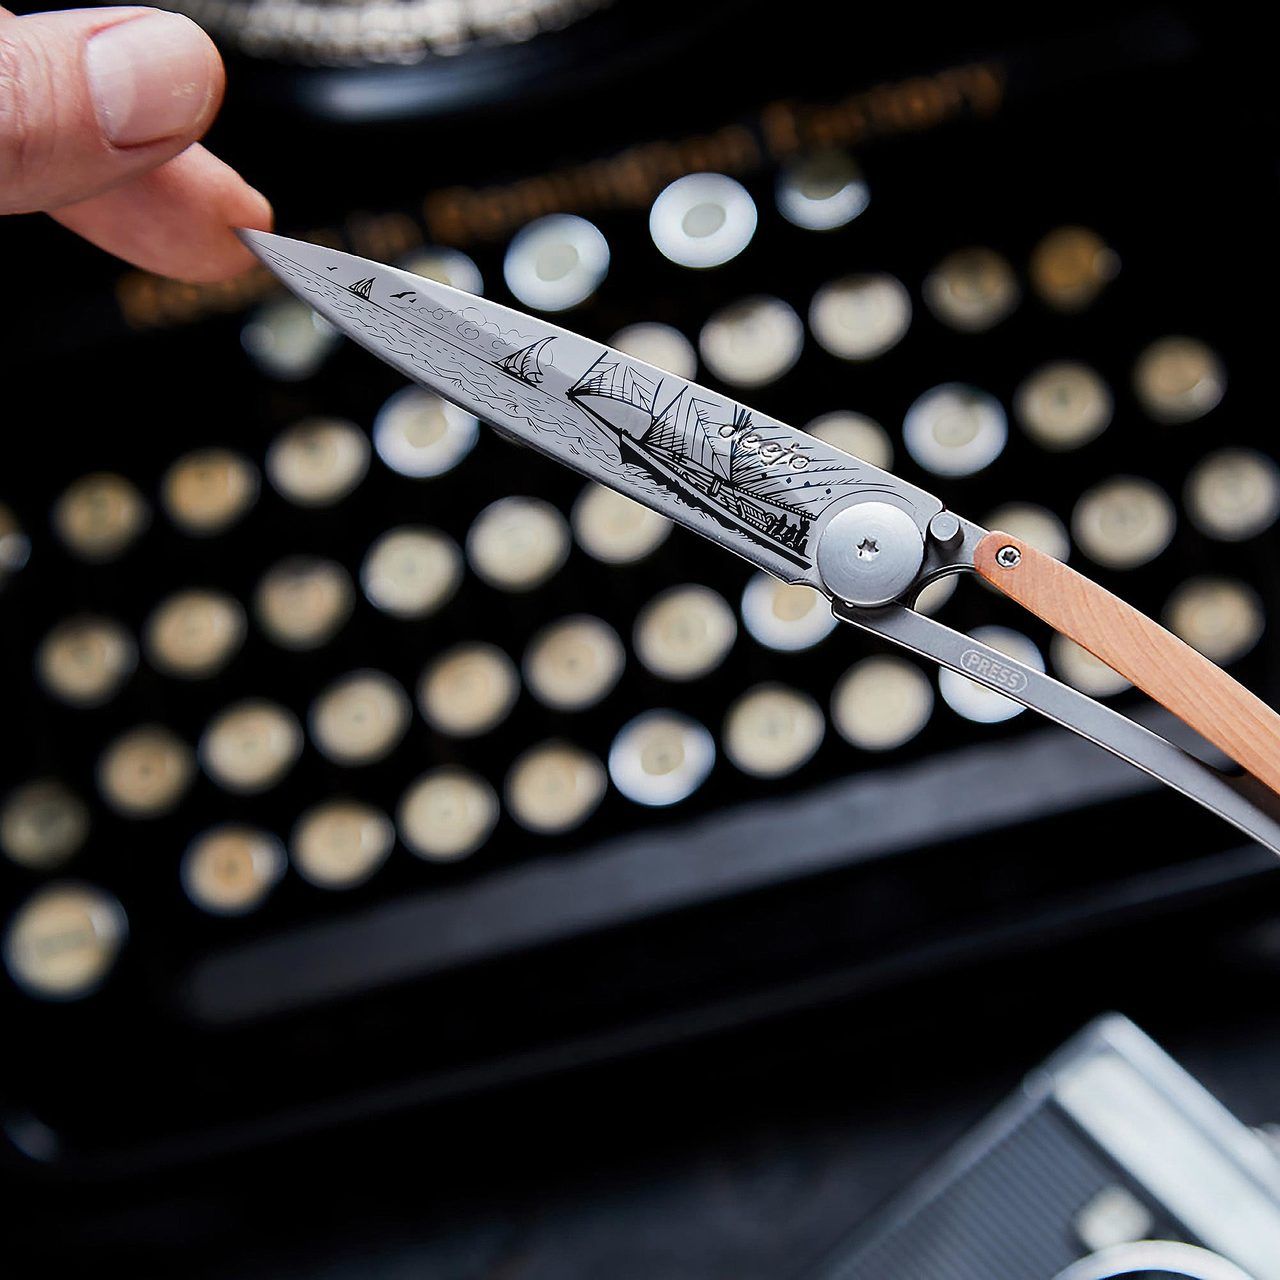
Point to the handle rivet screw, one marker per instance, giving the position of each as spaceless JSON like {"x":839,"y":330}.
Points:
{"x":1008,"y":557}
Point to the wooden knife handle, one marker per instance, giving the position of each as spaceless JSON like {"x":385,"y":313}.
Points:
{"x":1156,"y":661}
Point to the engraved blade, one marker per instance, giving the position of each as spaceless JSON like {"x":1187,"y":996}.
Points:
{"x":748,"y":482}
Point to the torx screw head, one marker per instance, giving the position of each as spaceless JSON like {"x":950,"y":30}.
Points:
{"x":1008,"y":557}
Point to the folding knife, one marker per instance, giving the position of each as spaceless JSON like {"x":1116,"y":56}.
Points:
{"x":798,"y":508}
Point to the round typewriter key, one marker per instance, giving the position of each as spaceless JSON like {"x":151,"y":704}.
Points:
{"x":84,"y":661}
{"x":556,"y":262}
{"x":855,"y":434}
{"x":250,"y":746}
{"x":684,"y":632}
{"x":411,"y":572}
{"x":702,"y":220}
{"x":661,"y":758}
{"x":445,"y":266}
{"x":144,"y":772}
{"x":1123,"y":522}
{"x":785,"y":617}
{"x":63,"y":940}
{"x":1221,"y":617}
{"x":860,"y":317}
{"x":1179,"y":380}
{"x":554,"y":787}
{"x":881,"y":703}
{"x":302,"y":601}
{"x":822,"y":191}
{"x":659,"y":345}
{"x":975,"y":701}
{"x":194,"y":634}
{"x":287,"y":339}
{"x":972,"y":289}
{"x":936,"y":594}
{"x":771,"y":730}
{"x":418,"y":434}
{"x":1033,"y":524}
{"x":752,"y":342}
{"x":207,"y":491}
{"x":42,"y":824}
{"x":1080,"y":669}
{"x":341,"y":843}
{"x":447,"y":814}
{"x":574,"y":663}
{"x":229,"y":870}
{"x":15,"y":546}
{"x":1234,"y":494}
{"x":1071,"y":266}
{"x":318,"y":461}
{"x":516,"y":544}
{"x":1063,"y":405}
{"x":615,"y":529}
{"x":99,"y":515}
{"x":955,"y":430}
{"x":468,"y":690}
{"x":359,"y":718}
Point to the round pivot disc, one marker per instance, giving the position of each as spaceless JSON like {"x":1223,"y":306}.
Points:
{"x":870,"y":553}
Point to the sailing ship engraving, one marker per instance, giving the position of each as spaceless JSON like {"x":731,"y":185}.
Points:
{"x":525,"y":364}
{"x":361,"y":288}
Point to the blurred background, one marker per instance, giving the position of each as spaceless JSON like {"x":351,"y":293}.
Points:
{"x":415,"y":862}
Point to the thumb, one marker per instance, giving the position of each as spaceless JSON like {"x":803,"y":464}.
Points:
{"x":92,"y":98}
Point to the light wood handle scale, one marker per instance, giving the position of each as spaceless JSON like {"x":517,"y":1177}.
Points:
{"x":1156,"y":661}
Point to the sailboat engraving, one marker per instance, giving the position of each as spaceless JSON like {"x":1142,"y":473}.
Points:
{"x":361,"y":288}
{"x":525,"y":364}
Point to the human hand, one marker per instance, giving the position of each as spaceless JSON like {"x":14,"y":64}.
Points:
{"x":100,"y":110}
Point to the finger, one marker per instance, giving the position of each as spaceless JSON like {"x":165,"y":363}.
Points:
{"x":177,"y":219}
{"x":91,"y":98}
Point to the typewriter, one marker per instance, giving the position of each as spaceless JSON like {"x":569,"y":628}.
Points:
{"x":357,"y":761}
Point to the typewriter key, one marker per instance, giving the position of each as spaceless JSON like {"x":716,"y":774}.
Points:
{"x":554,"y":788}
{"x":516,"y":544}
{"x":1071,"y":266}
{"x":615,"y":529}
{"x":752,"y":342}
{"x":341,"y":843}
{"x":955,"y":430}
{"x":287,"y":339}
{"x":63,"y":940}
{"x":229,"y":870}
{"x":661,"y":758}
{"x":359,"y":718}
{"x":144,"y":772}
{"x":702,"y":220}
{"x":659,"y":345}
{"x":302,"y":601}
{"x":860,"y":317}
{"x":822,"y":191}
{"x":42,"y":824}
{"x":207,"y":491}
{"x":1123,"y":522}
{"x":447,"y":266}
{"x":785,"y":617}
{"x":411,"y":572}
{"x":1063,"y":405}
{"x":194,"y":634}
{"x":861,"y":436}
{"x":574,"y":663}
{"x":468,"y":690}
{"x":98,"y":516}
{"x":972,"y":289}
{"x":1080,"y":669}
{"x":975,"y":701}
{"x":419,"y":434}
{"x":1179,"y":380}
{"x":84,"y":661}
{"x":1033,"y":524}
{"x":556,"y":262}
{"x":881,"y":703}
{"x":15,"y":546}
{"x":1234,"y":494}
{"x":447,"y":814}
{"x":318,"y":461}
{"x":250,"y":746}
{"x":771,"y":730}
{"x":684,"y":632}
{"x":1221,"y":617}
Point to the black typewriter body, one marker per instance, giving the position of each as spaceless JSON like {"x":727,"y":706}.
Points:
{"x":849,"y":947}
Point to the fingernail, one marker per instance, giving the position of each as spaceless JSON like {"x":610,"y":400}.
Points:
{"x":150,"y":77}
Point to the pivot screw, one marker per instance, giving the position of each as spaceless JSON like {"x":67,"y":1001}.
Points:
{"x":868,"y":549}
{"x":1008,"y":557}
